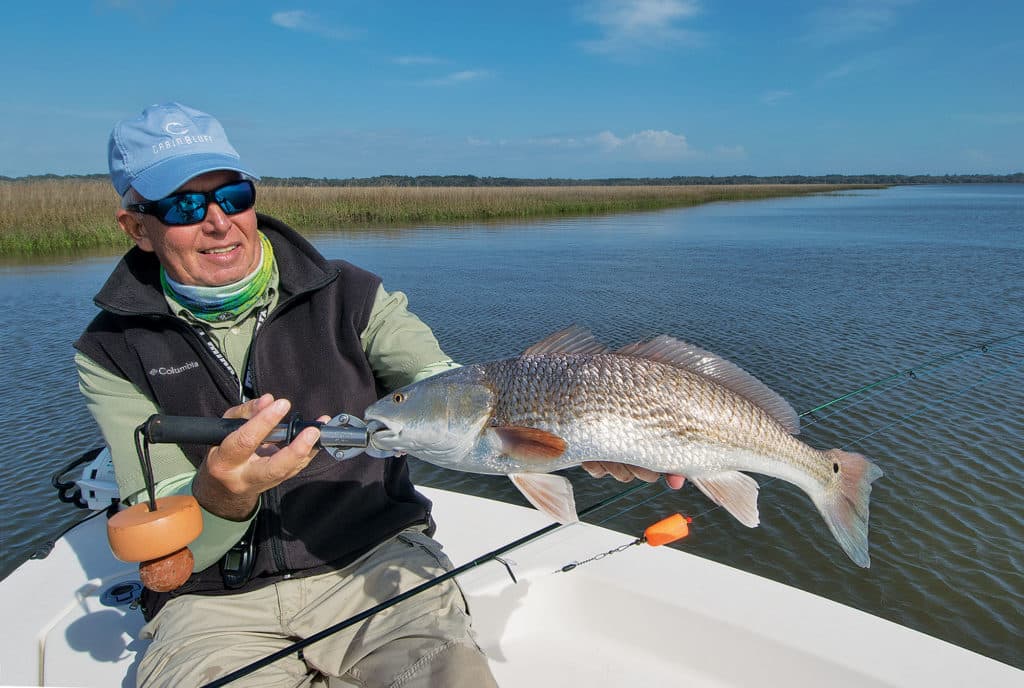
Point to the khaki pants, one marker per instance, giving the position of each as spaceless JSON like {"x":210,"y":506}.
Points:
{"x":422,"y":641}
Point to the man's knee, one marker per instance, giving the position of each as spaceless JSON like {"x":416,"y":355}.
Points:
{"x":406,"y":663}
{"x":456,"y":664}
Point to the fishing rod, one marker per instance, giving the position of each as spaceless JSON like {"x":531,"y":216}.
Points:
{"x":493,"y":555}
{"x":287,"y":431}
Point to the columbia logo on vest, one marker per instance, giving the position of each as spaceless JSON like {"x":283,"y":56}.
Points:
{"x":174,"y":370}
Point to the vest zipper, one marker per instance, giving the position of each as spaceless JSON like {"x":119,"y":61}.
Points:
{"x":269,"y":497}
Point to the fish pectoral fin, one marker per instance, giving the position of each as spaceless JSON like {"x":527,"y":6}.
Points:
{"x":530,"y":444}
{"x":733,"y":491}
{"x":552,"y":494}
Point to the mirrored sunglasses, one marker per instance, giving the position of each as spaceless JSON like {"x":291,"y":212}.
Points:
{"x":189,"y":207}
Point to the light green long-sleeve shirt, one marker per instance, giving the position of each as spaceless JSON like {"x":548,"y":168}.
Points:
{"x":401,"y":349}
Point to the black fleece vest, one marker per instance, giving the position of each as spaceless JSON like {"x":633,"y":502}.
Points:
{"x":307,"y":351}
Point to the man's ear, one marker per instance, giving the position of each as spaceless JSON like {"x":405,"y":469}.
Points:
{"x":132,"y":225}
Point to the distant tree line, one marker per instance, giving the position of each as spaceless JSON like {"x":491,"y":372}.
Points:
{"x":472,"y":180}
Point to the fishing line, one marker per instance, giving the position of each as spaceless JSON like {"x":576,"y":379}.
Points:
{"x":912,"y":375}
{"x":637,"y":505}
{"x":930,"y":405}
{"x":935,"y":362}
{"x":906,"y":376}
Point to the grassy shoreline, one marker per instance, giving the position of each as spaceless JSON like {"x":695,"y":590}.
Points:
{"x":55,"y":216}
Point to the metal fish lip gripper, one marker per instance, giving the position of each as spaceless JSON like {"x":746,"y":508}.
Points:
{"x":344,"y":437}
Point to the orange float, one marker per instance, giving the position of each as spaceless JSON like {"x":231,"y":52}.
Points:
{"x":667,"y":530}
{"x":158,"y":539}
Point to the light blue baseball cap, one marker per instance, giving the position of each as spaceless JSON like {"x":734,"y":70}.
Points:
{"x":161,"y":149}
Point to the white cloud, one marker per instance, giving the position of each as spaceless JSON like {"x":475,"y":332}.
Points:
{"x":407,"y":60}
{"x":774,"y":97}
{"x":591,"y":154}
{"x":649,"y":145}
{"x":646,"y":145}
{"x":852,"y":20}
{"x":864,"y":63}
{"x":632,"y":25}
{"x":557,"y":142}
{"x":461,"y":77}
{"x":301,"y":20}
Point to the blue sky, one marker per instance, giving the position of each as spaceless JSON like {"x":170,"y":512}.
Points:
{"x":528,"y":89}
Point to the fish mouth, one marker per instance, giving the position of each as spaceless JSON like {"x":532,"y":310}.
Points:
{"x":385,"y":437}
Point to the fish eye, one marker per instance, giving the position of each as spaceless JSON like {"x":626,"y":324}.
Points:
{"x":398,"y":397}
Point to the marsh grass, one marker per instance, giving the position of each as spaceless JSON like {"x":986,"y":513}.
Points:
{"x":57,"y":216}
{"x":39,"y":217}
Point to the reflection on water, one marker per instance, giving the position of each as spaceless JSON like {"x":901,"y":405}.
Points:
{"x":816,"y":295}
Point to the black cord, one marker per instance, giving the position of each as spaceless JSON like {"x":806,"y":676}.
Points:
{"x":142,"y":449}
{"x":68,"y":490}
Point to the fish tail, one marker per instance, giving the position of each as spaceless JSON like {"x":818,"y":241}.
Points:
{"x":844,"y":505}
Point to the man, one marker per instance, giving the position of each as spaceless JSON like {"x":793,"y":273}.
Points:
{"x":220,"y":311}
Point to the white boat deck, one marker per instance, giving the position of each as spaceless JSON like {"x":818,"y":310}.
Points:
{"x":643,"y":617}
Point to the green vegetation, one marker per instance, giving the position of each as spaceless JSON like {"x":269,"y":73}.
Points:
{"x":59,"y":215}
{"x":344,"y":207}
{"x":50,"y":216}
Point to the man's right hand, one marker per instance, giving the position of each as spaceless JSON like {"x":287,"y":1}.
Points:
{"x":234,"y":474}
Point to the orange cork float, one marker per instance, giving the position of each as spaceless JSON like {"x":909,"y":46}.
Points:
{"x":667,"y":530}
{"x":158,"y":539}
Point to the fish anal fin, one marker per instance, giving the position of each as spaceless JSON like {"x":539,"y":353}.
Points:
{"x":665,"y":349}
{"x":735,"y":492}
{"x":572,"y":340}
{"x":552,"y":494}
{"x":530,"y":444}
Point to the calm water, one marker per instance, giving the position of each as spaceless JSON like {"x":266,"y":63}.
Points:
{"x":817,"y":296}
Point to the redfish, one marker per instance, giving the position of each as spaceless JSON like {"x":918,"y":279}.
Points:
{"x":663,"y":404}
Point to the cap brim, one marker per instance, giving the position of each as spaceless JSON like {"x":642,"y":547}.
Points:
{"x":164,"y":178}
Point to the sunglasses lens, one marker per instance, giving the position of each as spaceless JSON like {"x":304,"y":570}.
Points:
{"x":182,"y":209}
{"x":235,"y":198}
{"x":189,"y":207}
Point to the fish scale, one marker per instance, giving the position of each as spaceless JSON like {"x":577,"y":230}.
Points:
{"x":667,"y":409}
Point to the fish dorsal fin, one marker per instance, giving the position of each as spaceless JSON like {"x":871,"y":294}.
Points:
{"x":552,"y":494}
{"x":665,"y":349}
{"x":735,"y":492}
{"x":571,"y":340}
